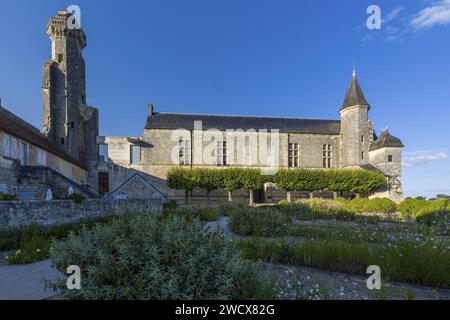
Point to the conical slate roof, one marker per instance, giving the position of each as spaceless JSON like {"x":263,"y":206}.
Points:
{"x":354,"y":95}
{"x":386,"y":140}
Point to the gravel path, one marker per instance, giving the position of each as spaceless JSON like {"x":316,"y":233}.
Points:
{"x":25,"y":282}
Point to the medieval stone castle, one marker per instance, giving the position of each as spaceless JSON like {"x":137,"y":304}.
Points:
{"x":70,"y":152}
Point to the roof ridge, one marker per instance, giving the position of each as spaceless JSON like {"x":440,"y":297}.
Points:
{"x":21,"y":121}
{"x":241,"y":116}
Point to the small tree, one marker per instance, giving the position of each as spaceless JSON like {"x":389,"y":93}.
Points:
{"x":231,"y":181}
{"x":286,"y":180}
{"x":209,"y":179}
{"x":182,"y":179}
{"x":251,"y":179}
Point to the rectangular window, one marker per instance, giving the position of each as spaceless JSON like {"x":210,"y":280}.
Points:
{"x":103,"y":152}
{"x":60,"y":57}
{"x":41,"y":158}
{"x":221,"y":153}
{"x":24,"y":154}
{"x":103,"y":182}
{"x":327,"y":155}
{"x":135,"y":154}
{"x":9,"y":147}
{"x":362,"y":155}
{"x":184,"y":152}
{"x":362,"y":138}
{"x":294,"y":155}
{"x":390,"y":158}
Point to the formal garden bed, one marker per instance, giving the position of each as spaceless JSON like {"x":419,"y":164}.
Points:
{"x":179,"y":254}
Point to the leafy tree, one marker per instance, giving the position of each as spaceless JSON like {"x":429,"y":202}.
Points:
{"x":182,"y":179}
{"x":209,"y":179}
{"x":231,"y":181}
{"x":252,"y":179}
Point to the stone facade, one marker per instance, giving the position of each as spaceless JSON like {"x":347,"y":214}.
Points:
{"x":17,"y":214}
{"x":346,"y":143}
{"x":68,"y":121}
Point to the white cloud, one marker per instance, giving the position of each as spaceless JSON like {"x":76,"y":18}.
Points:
{"x":435,"y":14}
{"x":417,"y":158}
{"x":393,"y":14}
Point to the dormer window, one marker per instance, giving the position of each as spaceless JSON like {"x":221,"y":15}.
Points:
{"x":60,"y":58}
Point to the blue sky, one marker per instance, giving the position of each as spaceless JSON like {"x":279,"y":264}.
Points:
{"x":255,"y":57}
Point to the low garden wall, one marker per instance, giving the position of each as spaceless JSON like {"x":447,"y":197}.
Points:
{"x":15,"y":214}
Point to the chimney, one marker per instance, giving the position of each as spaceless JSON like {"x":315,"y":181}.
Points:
{"x":150,"y":109}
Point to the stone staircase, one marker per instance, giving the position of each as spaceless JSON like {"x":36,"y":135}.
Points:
{"x":35,"y":181}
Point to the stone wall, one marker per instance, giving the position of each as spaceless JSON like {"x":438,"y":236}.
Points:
{"x":15,"y":214}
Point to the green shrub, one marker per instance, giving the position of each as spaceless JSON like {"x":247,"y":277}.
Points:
{"x":226,"y":209}
{"x":325,"y":209}
{"x":13,"y":238}
{"x":148,"y":256}
{"x":170,"y":205}
{"x":284,"y":202}
{"x":256,"y":222}
{"x":377,"y":205}
{"x":424,"y":211}
{"x":323,"y":205}
{"x":208,"y":214}
{"x":439,"y":206}
{"x":7,"y":197}
{"x":195,"y":212}
{"x":410,"y":207}
{"x":34,"y":248}
{"x":341,"y":200}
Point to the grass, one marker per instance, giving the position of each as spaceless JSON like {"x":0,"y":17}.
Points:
{"x":421,"y":261}
{"x":411,"y":252}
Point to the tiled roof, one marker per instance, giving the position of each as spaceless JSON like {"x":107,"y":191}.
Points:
{"x":228,"y":122}
{"x":386,"y":140}
{"x":354,"y":95}
{"x":12,"y":124}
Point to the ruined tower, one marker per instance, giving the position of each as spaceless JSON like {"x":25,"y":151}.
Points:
{"x":356,"y":129}
{"x":68,"y":121}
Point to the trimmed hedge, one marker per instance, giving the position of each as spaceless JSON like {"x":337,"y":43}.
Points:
{"x":231,"y":179}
